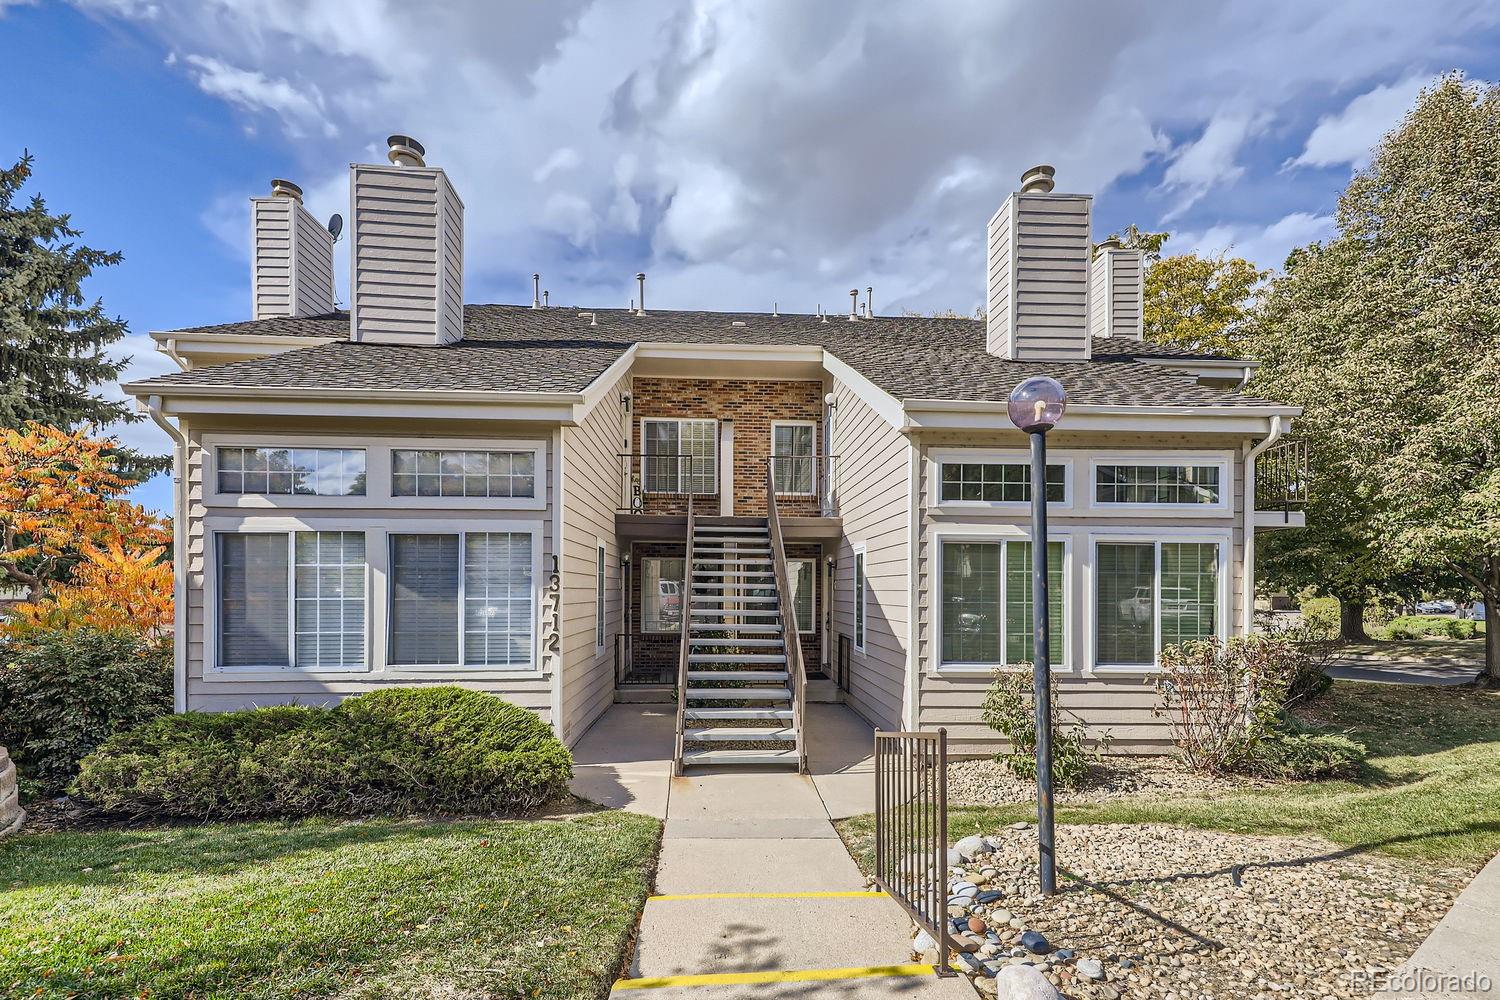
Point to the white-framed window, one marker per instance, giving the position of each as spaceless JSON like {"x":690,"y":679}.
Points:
{"x":1155,"y":592}
{"x":794,"y":456}
{"x":442,"y":472}
{"x":802,"y":576}
{"x":290,"y":600}
{"x":599,"y":580}
{"x":860,"y":586}
{"x":985,"y":601}
{"x":680,"y":456}
{"x":662,"y":593}
{"x":463,"y":598}
{"x":321,"y":472}
{"x":997,"y":482}
{"x":1160,"y":483}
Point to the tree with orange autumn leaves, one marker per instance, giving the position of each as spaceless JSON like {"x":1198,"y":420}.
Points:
{"x":84,"y":553}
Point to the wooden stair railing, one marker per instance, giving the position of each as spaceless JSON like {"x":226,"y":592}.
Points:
{"x":686,"y":610}
{"x":786,"y":605}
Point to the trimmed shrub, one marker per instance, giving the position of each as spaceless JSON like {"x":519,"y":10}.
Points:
{"x":64,"y":693}
{"x":401,"y":750}
{"x":1432,"y":627}
{"x":1009,"y":709}
{"x":1292,"y":755}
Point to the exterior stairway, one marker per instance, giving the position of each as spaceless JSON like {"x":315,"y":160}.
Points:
{"x":741,"y":689}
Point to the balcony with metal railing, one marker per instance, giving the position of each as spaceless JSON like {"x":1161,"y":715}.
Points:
{"x":1281,"y":481}
{"x":657,"y":489}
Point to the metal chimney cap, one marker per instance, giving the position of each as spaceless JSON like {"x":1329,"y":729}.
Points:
{"x":281,"y":188}
{"x":1038,"y":180}
{"x":1108,"y":243}
{"x":404,"y":151}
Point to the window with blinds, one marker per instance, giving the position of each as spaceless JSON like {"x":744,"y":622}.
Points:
{"x":462,"y":599}
{"x":802,"y":576}
{"x":1151,"y":595}
{"x":292,"y":600}
{"x":681,"y":456}
{"x":792,"y":461}
{"x":859,"y":600}
{"x":986,"y":604}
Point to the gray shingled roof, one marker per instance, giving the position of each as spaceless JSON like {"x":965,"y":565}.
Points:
{"x":519,"y":349}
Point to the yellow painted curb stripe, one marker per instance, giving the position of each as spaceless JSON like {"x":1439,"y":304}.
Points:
{"x":773,"y":895}
{"x":790,"y":976}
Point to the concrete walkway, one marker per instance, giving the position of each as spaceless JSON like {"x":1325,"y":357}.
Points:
{"x":755,"y":895}
{"x":1432,"y":672}
{"x":1460,"y":960}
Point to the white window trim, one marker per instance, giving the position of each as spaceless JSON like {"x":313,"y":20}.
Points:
{"x":814,"y":456}
{"x":714,"y":465}
{"x":1000,"y":534}
{"x":938,"y":457}
{"x":378,"y":462}
{"x":682,"y":593}
{"x":213,"y":636}
{"x":1223,"y":461}
{"x":533,"y":528}
{"x":377,"y":531}
{"x":859,"y":573}
{"x":1223,"y":539}
{"x":601,"y":595}
{"x":813,"y":591}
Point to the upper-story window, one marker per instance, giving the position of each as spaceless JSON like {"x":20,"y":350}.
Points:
{"x":1120,"y":483}
{"x":443,"y":473}
{"x":792,"y":461}
{"x":998,"y":482}
{"x":681,"y":456}
{"x":323,"y":472}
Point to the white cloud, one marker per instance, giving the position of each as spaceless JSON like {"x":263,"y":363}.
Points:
{"x":1212,"y":159}
{"x":1264,"y":246}
{"x":1349,"y":136}
{"x":300,"y":108}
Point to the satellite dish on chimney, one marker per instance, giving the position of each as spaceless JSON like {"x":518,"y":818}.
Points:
{"x":335,"y":225}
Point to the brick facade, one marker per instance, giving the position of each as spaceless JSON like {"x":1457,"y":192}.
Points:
{"x":753,"y":405}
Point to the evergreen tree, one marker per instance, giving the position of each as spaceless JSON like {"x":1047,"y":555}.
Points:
{"x":52,"y":338}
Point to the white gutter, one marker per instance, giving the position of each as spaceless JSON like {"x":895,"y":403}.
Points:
{"x":169,"y":348}
{"x":179,"y":553}
{"x":1248,"y":584}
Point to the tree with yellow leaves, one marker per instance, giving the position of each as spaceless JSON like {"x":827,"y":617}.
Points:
{"x":112,"y":588}
{"x":61,"y":496}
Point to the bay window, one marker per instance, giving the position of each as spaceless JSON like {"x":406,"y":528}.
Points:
{"x":462,"y":598}
{"x":1153,"y":594}
{"x":291,"y":600}
{"x":986,"y":604}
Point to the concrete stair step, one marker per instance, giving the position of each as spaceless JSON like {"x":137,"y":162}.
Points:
{"x":749,"y":643}
{"x":753,"y":676}
{"x":741,"y":757}
{"x":739,"y":734}
{"x":728,"y":658}
{"x":739,"y":694}
{"x":740,"y":714}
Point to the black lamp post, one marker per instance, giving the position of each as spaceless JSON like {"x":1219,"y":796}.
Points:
{"x":1036,"y":405}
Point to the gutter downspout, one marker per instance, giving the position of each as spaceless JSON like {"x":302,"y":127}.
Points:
{"x":1248,"y":610}
{"x":179,"y":552}
{"x":169,"y":348}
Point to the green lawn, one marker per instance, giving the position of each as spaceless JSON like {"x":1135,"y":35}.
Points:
{"x":1432,"y":793}
{"x":1457,"y":652}
{"x":382,"y":908}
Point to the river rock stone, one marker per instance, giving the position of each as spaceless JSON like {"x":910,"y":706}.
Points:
{"x":970,"y":846}
{"x":1089,"y":968}
{"x":1035,"y":943}
{"x":1023,"y":982}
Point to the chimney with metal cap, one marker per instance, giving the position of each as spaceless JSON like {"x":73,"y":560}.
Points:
{"x":406,"y":250}
{"x":1037,"y":273}
{"x":1117,"y":290}
{"x":291,"y":256}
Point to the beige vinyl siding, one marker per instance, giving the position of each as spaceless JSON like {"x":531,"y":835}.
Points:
{"x":1051,"y":277}
{"x":406,"y":272}
{"x":591,"y":496}
{"x":1099,"y":276}
{"x":1118,"y":702}
{"x":314,"y":266}
{"x":1115,"y":290}
{"x":271,"y":277}
{"x":873,"y":493}
{"x":209,"y":690}
{"x":999,"y":318}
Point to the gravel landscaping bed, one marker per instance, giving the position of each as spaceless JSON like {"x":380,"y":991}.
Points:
{"x":987,"y":782}
{"x":1177,"y":914}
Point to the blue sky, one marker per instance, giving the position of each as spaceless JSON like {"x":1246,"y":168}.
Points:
{"x":740,"y":153}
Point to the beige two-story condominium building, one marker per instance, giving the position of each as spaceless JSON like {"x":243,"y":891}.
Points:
{"x":736,"y":513}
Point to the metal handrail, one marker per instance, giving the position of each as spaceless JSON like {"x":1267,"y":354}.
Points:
{"x":790,"y":636}
{"x":682,"y":653}
{"x":911,"y":830}
{"x":686,"y":468}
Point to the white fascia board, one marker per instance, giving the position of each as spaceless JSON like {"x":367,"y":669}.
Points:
{"x":230,"y":399}
{"x":594,"y":392}
{"x":1204,"y":366}
{"x":768,"y":353}
{"x":931,"y":414}
{"x":888,"y":407}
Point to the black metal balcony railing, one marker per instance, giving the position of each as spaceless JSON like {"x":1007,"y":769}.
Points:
{"x":669,"y":475}
{"x":1281,"y":477}
{"x":806,"y":477}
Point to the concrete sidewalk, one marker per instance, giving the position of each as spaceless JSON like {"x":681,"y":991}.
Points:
{"x":755,"y":895}
{"x":1460,"y":960}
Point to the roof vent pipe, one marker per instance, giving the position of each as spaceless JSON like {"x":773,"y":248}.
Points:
{"x":776,"y":309}
{"x":536,"y":290}
{"x":1038,"y":180}
{"x":853,"y":305}
{"x":546,"y":298}
{"x":286,"y":189}
{"x":404,"y":151}
{"x":870,"y":299}
{"x":641,"y":280}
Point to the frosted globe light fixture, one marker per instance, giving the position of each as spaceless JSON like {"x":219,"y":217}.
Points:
{"x":1037,"y":404}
